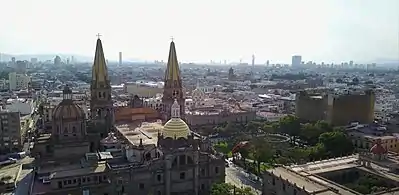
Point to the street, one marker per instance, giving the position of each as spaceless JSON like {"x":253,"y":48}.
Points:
{"x":238,"y":177}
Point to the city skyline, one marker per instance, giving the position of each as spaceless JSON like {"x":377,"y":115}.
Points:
{"x":329,"y":31}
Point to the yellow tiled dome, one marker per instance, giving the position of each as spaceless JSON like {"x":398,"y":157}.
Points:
{"x":176,"y":128}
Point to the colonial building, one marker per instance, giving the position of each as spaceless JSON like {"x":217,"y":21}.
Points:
{"x":75,"y":157}
{"x":205,"y":111}
{"x":366,"y":173}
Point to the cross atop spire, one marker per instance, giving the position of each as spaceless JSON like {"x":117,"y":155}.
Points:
{"x":172,"y":38}
{"x":98,"y":35}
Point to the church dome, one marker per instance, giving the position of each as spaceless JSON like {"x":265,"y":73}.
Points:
{"x":176,"y":127}
{"x":67,"y":109}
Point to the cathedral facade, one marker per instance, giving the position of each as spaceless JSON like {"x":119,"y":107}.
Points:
{"x":81,"y":155}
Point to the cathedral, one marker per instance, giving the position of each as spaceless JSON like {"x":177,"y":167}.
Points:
{"x":89,"y":155}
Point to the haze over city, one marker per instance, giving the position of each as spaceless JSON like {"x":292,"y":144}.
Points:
{"x":330,"y":31}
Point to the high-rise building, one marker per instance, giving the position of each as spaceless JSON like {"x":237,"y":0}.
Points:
{"x":57,"y":60}
{"x":173,"y":88}
{"x":20,"y":66}
{"x":11,"y":134}
{"x":120,"y":58}
{"x":18,"y":81}
{"x":296,"y":61}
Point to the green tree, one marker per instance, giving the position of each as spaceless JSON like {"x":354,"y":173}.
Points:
{"x":336,"y":143}
{"x":289,"y":125}
{"x":221,"y":189}
{"x":262,"y":152}
{"x":317,"y":152}
{"x":310,"y":133}
{"x":268,"y":128}
{"x":223,"y":147}
{"x":228,"y":189}
{"x":324,"y":126}
{"x":252,"y":127}
{"x":244,"y":151}
{"x":298,"y":155}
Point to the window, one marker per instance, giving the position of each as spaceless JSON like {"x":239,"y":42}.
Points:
{"x":73,"y":129}
{"x":202,"y":172}
{"x":141,"y":186}
{"x":295,"y":192}
{"x":274,"y":181}
{"x":182,"y":160}
{"x":283,"y":186}
{"x":69,"y":182}
{"x":217,"y":170}
{"x":159,"y":177}
{"x":202,"y":186}
{"x":182,"y":175}
{"x":159,"y":193}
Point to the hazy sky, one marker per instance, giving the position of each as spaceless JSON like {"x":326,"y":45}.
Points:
{"x":320,"y":30}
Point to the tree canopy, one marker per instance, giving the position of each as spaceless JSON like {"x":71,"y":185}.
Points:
{"x":228,"y":189}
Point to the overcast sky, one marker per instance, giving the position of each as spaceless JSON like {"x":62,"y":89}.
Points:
{"x":204,"y":30}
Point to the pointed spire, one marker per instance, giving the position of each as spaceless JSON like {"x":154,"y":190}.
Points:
{"x":99,"y":71}
{"x":175,"y":110}
{"x":172,"y":72}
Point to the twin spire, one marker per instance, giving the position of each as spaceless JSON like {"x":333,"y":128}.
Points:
{"x":99,"y":71}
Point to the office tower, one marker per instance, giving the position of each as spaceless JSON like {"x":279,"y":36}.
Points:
{"x":120,"y":58}
{"x":296,"y":61}
{"x":18,"y":81}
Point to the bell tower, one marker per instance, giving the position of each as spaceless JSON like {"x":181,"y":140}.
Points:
{"x":101,"y":104}
{"x":173,"y":88}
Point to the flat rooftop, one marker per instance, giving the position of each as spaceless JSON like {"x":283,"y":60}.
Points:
{"x":327,"y":165}
{"x":147,"y":131}
{"x":80,"y":171}
{"x":308,"y":175}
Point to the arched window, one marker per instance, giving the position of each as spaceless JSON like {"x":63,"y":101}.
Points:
{"x":73,"y":129}
{"x":99,"y":94}
{"x":65,"y":130}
